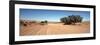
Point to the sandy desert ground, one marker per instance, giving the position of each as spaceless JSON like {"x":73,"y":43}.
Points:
{"x":54,"y":28}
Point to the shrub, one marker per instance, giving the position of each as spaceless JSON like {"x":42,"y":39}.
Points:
{"x":21,"y":22}
{"x":44,"y":22}
{"x":25,"y":24}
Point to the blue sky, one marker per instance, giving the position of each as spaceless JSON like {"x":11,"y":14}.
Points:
{"x":50,"y":15}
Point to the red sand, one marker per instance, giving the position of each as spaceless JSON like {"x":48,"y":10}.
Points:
{"x":54,"y":28}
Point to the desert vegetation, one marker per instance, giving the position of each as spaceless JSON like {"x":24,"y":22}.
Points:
{"x":72,"y":19}
{"x":52,"y":22}
{"x":67,"y":25}
{"x":26,"y":23}
{"x":44,"y":22}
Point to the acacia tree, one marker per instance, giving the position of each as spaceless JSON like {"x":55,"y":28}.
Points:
{"x":71,"y":19}
{"x":66,"y":20}
{"x":79,"y":18}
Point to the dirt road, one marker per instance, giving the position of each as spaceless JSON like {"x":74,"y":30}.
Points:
{"x":54,"y":28}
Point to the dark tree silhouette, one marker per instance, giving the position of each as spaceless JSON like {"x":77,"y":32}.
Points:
{"x":44,"y":22}
{"x":71,"y":19}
